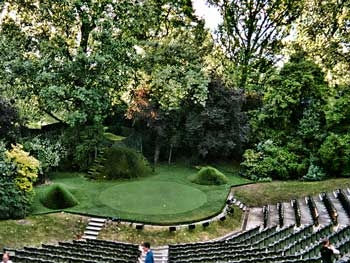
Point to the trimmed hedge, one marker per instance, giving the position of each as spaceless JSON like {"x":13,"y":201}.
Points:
{"x":209,"y":176}
{"x":58,"y":197}
{"x":124,"y":163}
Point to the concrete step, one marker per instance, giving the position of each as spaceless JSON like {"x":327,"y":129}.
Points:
{"x":343,"y":218}
{"x":98,"y":220}
{"x":323,"y":218}
{"x":255,"y":218}
{"x":93,"y":228}
{"x":273,"y":216}
{"x":289,"y":216}
{"x":91,"y":233}
{"x":94,"y":224}
{"x":306,"y":218}
{"x":88,"y":237}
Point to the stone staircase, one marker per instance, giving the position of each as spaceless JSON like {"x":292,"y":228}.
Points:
{"x":93,"y":228}
{"x":255,"y":217}
{"x":95,"y":169}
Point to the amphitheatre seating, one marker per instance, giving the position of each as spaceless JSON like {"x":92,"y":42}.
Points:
{"x":344,"y":200}
{"x":332,"y":212}
{"x":322,"y":209}
{"x":289,"y":244}
{"x":78,"y":251}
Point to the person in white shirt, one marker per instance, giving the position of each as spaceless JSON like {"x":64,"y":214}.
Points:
{"x":6,"y":258}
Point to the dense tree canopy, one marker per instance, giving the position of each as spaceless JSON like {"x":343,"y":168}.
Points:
{"x":252,"y":33}
{"x":270,"y":86}
{"x":324,"y":32}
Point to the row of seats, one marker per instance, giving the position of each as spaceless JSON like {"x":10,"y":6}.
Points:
{"x":344,"y":200}
{"x":78,"y":251}
{"x":332,"y":212}
{"x":289,"y":244}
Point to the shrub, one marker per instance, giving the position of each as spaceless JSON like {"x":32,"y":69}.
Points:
{"x":48,"y":150}
{"x":122,"y":162}
{"x":14,"y":203}
{"x":209,"y":176}
{"x":335,"y":154}
{"x":315,"y":173}
{"x":58,"y":197}
{"x":270,"y":160}
{"x":27,"y":167}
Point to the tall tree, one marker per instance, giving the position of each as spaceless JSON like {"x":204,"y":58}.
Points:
{"x":71,"y":58}
{"x":220,"y":129}
{"x":68,"y":56}
{"x":252,"y":32}
{"x":324,"y":33}
{"x":171,"y":75}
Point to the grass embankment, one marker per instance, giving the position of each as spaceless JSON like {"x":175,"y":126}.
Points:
{"x":154,"y":199}
{"x":271,"y":193}
{"x":34,"y":230}
{"x":157,"y":237}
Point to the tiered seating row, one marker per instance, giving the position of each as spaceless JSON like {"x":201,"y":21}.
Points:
{"x":290,"y":244}
{"x":313,"y":210}
{"x":280,"y":211}
{"x":297,"y":212}
{"x":79,"y":251}
{"x":330,"y":208}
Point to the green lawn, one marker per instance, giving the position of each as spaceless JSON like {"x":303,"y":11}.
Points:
{"x":34,"y":230}
{"x":271,"y":193}
{"x":159,"y":237}
{"x":167,"y":197}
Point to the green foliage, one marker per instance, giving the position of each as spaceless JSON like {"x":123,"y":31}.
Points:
{"x":13,"y":202}
{"x":290,"y":126}
{"x":122,"y":162}
{"x":251,"y":33}
{"x":220,"y":129}
{"x":323,"y":33}
{"x":9,"y":120}
{"x":294,"y":96}
{"x":314,"y":173}
{"x":27,"y":168}
{"x":209,"y":176}
{"x":48,"y":150}
{"x":335,"y":154}
{"x":270,"y":160}
{"x":83,"y":145}
{"x":56,"y":196}
{"x":338,"y":111}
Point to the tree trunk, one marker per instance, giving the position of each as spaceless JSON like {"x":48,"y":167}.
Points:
{"x":141,"y":149}
{"x":170,"y":153}
{"x":156,"y":154}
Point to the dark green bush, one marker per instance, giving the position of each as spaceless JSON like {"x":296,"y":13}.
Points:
{"x":58,"y":197}
{"x":122,"y":162}
{"x":269,"y":160}
{"x":335,"y":154}
{"x":209,"y":176}
{"x":14,"y":203}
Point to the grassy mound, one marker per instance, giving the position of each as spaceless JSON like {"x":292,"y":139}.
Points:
{"x":209,"y":176}
{"x":124,"y":163}
{"x":57,"y":197}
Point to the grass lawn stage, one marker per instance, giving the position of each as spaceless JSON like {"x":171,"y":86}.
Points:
{"x":281,"y":191}
{"x":167,"y":197}
{"x":154,"y":197}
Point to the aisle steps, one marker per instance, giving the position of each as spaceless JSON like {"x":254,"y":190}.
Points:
{"x":93,"y":228}
{"x":255,"y":216}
